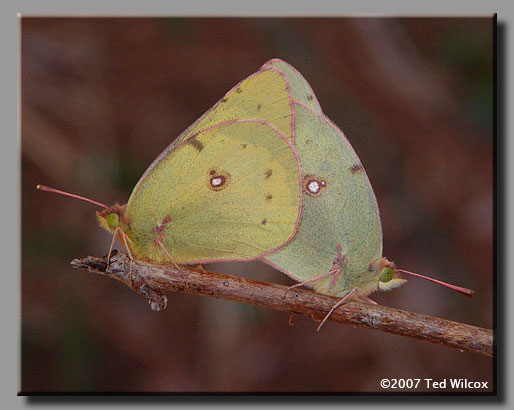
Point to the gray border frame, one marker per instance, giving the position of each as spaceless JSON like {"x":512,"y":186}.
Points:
{"x":11,"y":112}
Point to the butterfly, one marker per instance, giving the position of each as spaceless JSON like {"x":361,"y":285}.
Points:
{"x":227,"y":189}
{"x":337,"y":249}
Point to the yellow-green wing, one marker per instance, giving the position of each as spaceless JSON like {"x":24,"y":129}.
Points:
{"x":339,"y":209}
{"x":230,"y":192}
{"x":265,"y":95}
{"x":300,"y":89}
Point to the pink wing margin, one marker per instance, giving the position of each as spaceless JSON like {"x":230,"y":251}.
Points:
{"x":278,"y":60}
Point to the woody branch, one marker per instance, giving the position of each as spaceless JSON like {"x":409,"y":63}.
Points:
{"x":152,"y":280}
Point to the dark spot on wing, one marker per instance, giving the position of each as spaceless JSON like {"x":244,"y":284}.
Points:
{"x":244,"y":146}
{"x":196,"y":144}
{"x":269,"y":172}
{"x":159,"y":229}
{"x":238,"y":90}
{"x":310,"y":97}
{"x":259,"y":107}
{"x":356,"y":168}
{"x":264,"y":222}
{"x":224,"y":99}
{"x":268,"y":197}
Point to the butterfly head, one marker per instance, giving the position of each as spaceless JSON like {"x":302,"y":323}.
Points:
{"x":112,"y":218}
{"x":387,"y":277}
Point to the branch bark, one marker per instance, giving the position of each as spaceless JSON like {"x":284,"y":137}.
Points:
{"x":151,"y":280}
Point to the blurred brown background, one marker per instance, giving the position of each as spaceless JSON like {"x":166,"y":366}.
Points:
{"x":101,"y":98}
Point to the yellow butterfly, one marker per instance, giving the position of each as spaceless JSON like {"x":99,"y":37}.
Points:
{"x":228,"y":188}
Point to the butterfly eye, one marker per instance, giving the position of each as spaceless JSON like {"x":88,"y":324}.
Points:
{"x":386,"y":275}
{"x":113,"y":220}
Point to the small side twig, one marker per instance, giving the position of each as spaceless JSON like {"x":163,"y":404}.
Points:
{"x":151,"y":280}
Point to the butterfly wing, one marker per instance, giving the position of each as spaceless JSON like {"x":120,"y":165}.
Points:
{"x":339,"y":209}
{"x":264,"y":95}
{"x":230,"y":192}
{"x":300,"y":89}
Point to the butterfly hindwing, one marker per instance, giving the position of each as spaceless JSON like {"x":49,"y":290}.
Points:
{"x":339,"y":211}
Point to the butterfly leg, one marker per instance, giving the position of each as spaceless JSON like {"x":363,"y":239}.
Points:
{"x":332,"y":272}
{"x":341,"y":302}
{"x":335,"y":276}
{"x":291,"y":319}
{"x":158,"y":231}
{"x":112,"y":245}
{"x":158,"y":242}
{"x":125,"y":243}
{"x":123,"y":235}
{"x":366,"y":299}
{"x":337,"y":263}
{"x":335,"y":271}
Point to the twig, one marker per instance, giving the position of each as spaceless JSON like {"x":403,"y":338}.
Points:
{"x":151,"y":280}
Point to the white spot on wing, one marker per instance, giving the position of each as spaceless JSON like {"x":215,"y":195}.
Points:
{"x":313,"y":187}
{"x":216,"y":181}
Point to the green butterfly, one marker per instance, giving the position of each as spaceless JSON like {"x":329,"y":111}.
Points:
{"x":337,"y":249}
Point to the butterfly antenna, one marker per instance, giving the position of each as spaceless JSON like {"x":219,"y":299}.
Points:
{"x":464,"y":291}
{"x":48,"y":189}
